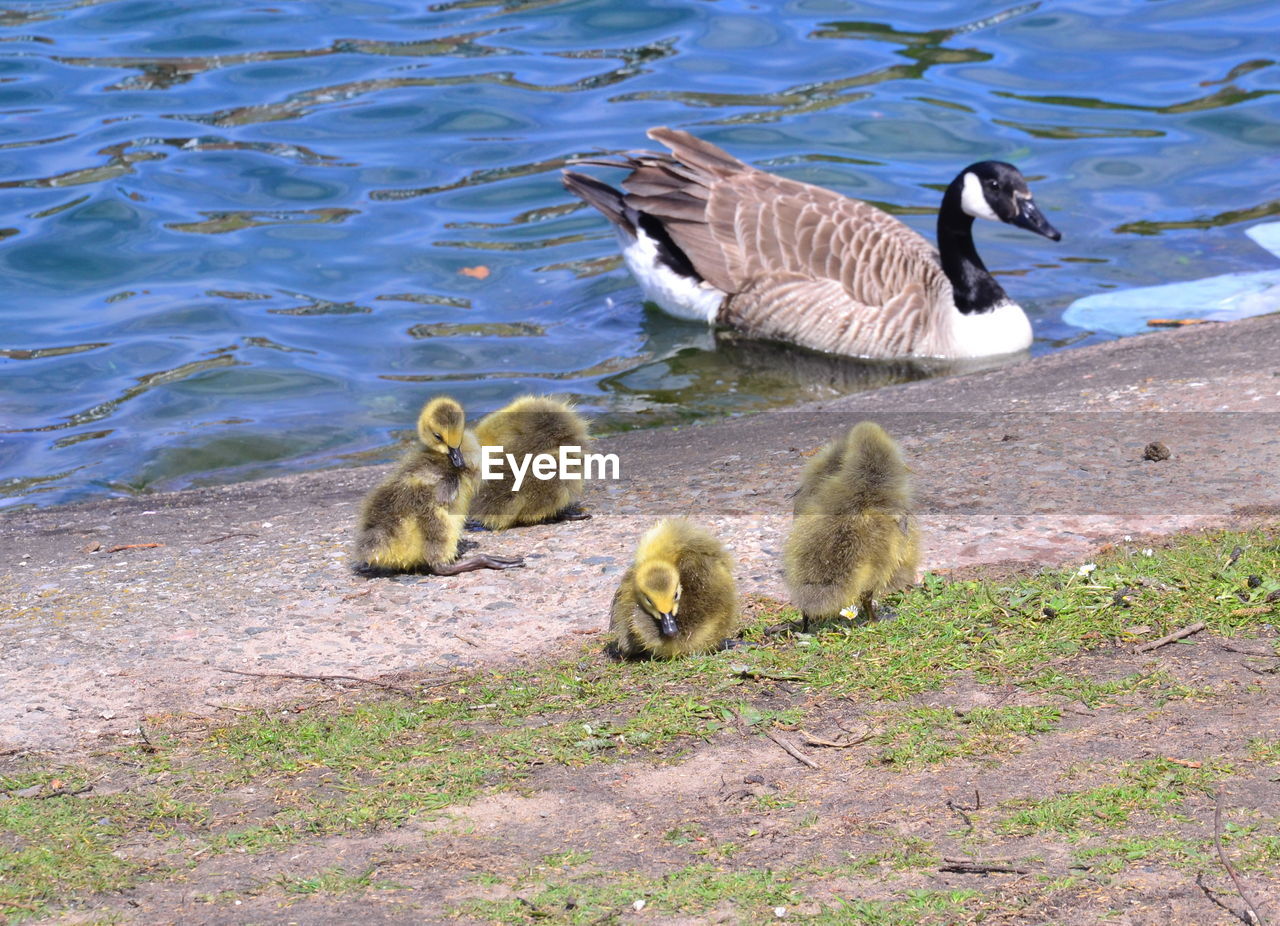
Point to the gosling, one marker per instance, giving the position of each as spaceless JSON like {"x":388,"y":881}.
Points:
{"x":854,"y":537}
{"x":529,"y":426}
{"x":678,"y":598}
{"x":413,"y":520}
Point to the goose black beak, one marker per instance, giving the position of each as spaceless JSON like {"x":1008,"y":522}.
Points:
{"x":668,"y":625}
{"x":1031,"y":218}
{"x":455,"y":457}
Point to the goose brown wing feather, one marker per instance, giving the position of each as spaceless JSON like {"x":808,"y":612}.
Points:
{"x":819,"y":314}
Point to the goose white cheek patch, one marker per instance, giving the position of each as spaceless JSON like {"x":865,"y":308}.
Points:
{"x":974,"y":202}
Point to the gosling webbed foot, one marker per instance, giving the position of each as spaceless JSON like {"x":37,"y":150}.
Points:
{"x":571,"y":512}
{"x":473,"y":525}
{"x":367,"y":571}
{"x":482,"y":561}
{"x":734,"y":643}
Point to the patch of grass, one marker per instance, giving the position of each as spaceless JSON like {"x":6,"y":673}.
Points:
{"x":684,"y":834}
{"x":379,"y":762}
{"x":1116,"y":853}
{"x":918,"y":907}
{"x":1264,"y":750}
{"x":1156,"y":688}
{"x":60,"y":846}
{"x":751,"y":896}
{"x":1146,"y":786}
{"x":567,"y":859}
{"x":1250,"y":848}
{"x":333,"y":881}
{"x":695,"y":889}
{"x":928,"y":735}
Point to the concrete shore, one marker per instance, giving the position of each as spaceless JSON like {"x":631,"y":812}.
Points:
{"x":1035,"y":463}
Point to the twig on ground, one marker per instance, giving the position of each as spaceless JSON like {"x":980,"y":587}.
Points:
{"x":63,"y":792}
{"x":1171,"y":638}
{"x":959,"y":809}
{"x":791,"y":750}
{"x":973,"y":866}
{"x":1246,"y":652}
{"x":228,"y":537}
{"x":1185,"y":763}
{"x":853,"y":740}
{"x":147,"y":746}
{"x":133,"y":546}
{"x":1257,"y":670}
{"x":426,"y":683}
{"x":1250,"y":905}
{"x":354,"y":595}
{"x":749,"y":672}
{"x":1242,"y":917}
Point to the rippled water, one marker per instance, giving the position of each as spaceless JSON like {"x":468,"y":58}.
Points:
{"x":241,"y":238}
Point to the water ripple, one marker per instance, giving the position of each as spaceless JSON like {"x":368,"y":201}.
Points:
{"x":248,"y":239}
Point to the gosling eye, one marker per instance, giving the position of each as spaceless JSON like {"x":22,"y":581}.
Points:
{"x":438,"y":437}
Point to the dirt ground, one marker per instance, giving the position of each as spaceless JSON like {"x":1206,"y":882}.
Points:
{"x":737,"y":803}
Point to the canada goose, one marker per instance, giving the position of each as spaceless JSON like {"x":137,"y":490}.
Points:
{"x":412,"y":521}
{"x":528,"y":427}
{"x":678,"y":597}
{"x":854,"y":537}
{"x":711,"y":239}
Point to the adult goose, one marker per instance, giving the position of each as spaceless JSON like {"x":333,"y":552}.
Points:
{"x":712,"y":239}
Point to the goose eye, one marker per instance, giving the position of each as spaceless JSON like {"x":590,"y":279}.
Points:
{"x":993,"y":184}
{"x":438,"y":437}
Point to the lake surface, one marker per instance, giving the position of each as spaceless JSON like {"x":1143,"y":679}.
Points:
{"x":244,"y":238}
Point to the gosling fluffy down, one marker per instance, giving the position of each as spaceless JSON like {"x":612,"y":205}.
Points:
{"x":412,"y":521}
{"x":678,"y":597}
{"x":854,"y":537}
{"x":529,"y":426}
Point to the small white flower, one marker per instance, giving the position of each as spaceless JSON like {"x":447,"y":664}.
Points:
{"x":1128,"y":539}
{"x":638,"y":906}
{"x":780,"y":912}
{"x":1086,"y":569}
{"x":1148,"y":552}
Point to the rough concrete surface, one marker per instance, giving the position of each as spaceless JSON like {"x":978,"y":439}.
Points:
{"x":1036,"y":462}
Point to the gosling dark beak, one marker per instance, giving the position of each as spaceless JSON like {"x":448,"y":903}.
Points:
{"x":455,"y":457}
{"x":1032,"y":219}
{"x":668,"y":622}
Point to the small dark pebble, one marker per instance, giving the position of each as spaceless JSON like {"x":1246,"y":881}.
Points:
{"x":1009,"y":437}
{"x":754,"y":779}
{"x":1049,"y":612}
{"x":1155,"y":452}
{"x":1244,"y":599}
{"x":1273,"y":597}
{"x":1254,"y":581}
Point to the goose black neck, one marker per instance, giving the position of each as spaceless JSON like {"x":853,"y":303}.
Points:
{"x":974,"y":288}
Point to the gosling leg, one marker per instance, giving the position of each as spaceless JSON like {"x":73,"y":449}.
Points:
{"x":571,"y":512}
{"x":482,"y":561}
{"x":867,"y":609}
